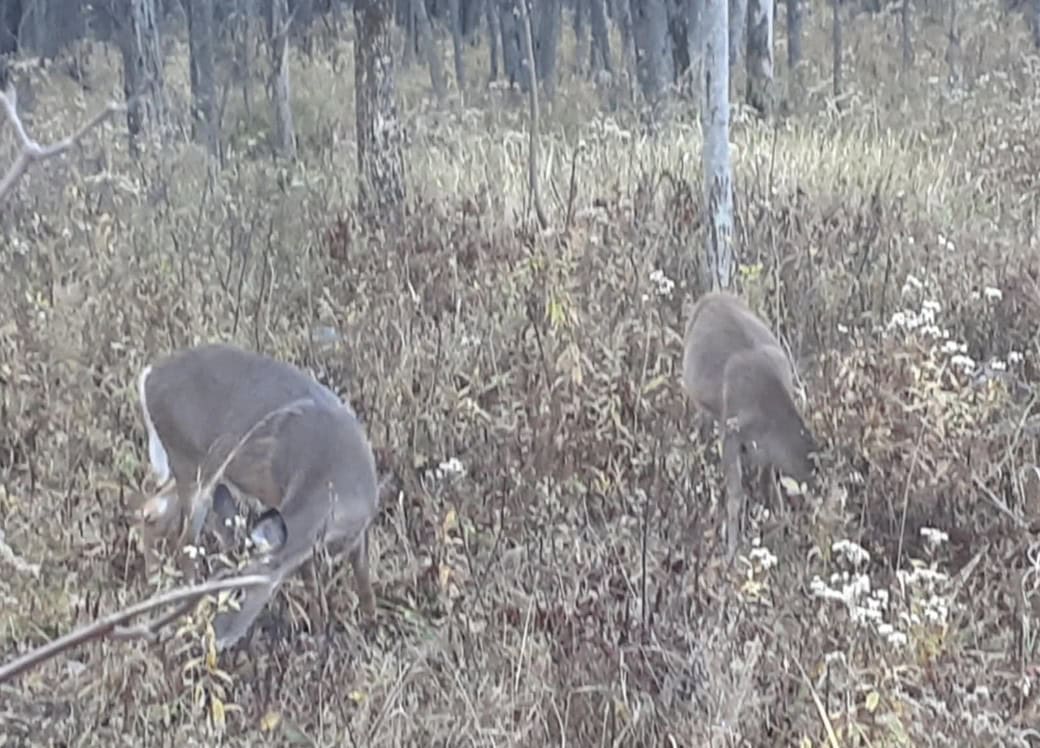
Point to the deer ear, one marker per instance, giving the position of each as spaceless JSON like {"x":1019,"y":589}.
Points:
{"x":269,"y":533}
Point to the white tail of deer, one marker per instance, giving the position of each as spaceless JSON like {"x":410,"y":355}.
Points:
{"x":223,"y":420}
{"x":735,"y":370}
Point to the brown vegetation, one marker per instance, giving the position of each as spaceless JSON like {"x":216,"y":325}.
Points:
{"x":549,"y":568}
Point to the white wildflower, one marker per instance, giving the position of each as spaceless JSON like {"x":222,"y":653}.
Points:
{"x":962,"y":362}
{"x":854,"y":552}
{"x":934,"y":537}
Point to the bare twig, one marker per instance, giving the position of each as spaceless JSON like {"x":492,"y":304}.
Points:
{"x":113,"y":625}
{"x":32,"y":151}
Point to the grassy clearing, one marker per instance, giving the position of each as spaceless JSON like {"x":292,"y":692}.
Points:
{"x":565,"y":585}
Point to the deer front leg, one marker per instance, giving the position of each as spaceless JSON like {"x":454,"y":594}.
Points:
{"x":767,"y":489}
{"x":362,"y":577}
{"x":734,"y":489}
{"x":158,"y":520}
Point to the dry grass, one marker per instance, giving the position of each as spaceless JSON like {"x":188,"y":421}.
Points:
{"x":565,"y":586}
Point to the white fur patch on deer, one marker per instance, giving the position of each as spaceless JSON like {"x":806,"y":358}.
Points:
{"x":226,"y":425}
{"x":735,"y":371}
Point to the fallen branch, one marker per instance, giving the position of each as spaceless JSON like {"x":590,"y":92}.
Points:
{"x":114,"y":625}
{"x":31,"y":151}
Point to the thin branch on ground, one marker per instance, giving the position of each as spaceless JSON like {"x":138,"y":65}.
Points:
{"x":114,"y":625}
{"x":31,"y":151}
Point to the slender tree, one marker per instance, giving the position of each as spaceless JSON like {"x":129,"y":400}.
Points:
{"x":455,"y":19}
{"x":513,"y":55}
{"x":427,"y":45}
{"x":1036,"y":23}
{"x":381,"y":188}
{"x":653,"y":48}
{"x":284,"y":140}
{"x":142,"y":71}
{"x":546,"y":43}
{"x":906,"y":23}
{"x":836,"y":46}
{"x":600,"y":47}
{"x":10,"y":22}
{"x":718,"y":180}
{"x":760,"y":89}
{"x":203,"y":85}
{"x":494,"y":36}
{"x":532,"y":154}
{"x":738,"y":10}
{"x":794,"y":34}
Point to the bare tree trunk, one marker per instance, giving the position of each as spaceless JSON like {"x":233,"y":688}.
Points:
{"x":244,"y":52}
{"x":494,"y":36}
{"x":532,"y":165}
{"x":143,"y":73}
{"x":760,"y":88}
{"x":547,"y":43}
{"x":695,"y":35}
{"x":408,"y":19}
{"x":582,"y":48}
{"x":428,"y":46}
{"x":10,"y":21}
{"x":381,"y":188}
{"x":38,"y":27}
{"x":653,"y":52}
{"x":738,"y":10}
{"x":455,"y":18}
{"x":836,"y":45}
{"x":203,"y":85}
{"x":623,"y":19}
{"x":1036,"y":23}
{"x":955,"y":73}
{"x":794,"y":34}
{"x":600,"y":51}
{"x":907,"y":41}
{"x":281,"y":103}
{"x":718,"y":180}
{"x":513,"y":45}
{"x":795,"y":83}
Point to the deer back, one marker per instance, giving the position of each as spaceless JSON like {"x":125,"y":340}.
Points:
{"x":195,"y":396}
{"x":199,"y":403}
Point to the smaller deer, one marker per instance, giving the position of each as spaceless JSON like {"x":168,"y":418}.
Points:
{"x":222,"y":421}
{"x":735,"y":371}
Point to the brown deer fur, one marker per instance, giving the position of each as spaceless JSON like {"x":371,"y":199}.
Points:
{"x":219,"y":415}
{"x":735,"y":371}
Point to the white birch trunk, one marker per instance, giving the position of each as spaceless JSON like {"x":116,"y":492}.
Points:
{"x":718,"y":181}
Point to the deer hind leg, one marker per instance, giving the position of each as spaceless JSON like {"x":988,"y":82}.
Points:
{"x":768,"y":489}
{"x":317,"y":603}
{"x":287,"y":540}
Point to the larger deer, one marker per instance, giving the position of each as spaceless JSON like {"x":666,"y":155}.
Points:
{"x":219,"y":416}
{"x":735,"y":370}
